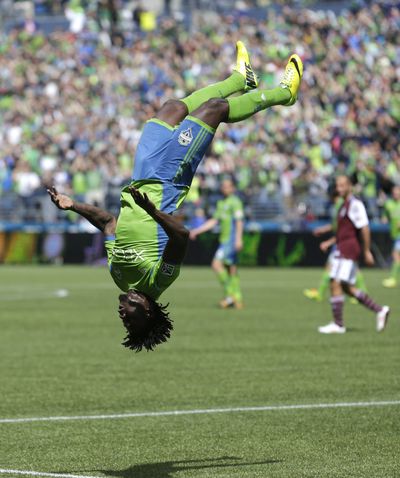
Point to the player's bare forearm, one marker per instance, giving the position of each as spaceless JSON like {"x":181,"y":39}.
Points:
{"x":326,"y":245}
{"x":366,"y":238}
{"x":319,"y":231}
{"x":103,"y":220}
{"x":177,"y":233}
{"x":171,"y":225}
{"x":239,"y":235}
{"x":178,"y":236}
{"x":207,"y":226}
{"x":330,"y":242}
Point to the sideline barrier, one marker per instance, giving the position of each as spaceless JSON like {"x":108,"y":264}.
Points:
{"x":277,"y":249}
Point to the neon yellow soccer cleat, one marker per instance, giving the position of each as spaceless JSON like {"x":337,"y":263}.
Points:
{"x":292,"y":77}
{"x":312,"y":294}
{"x":390,"y":282}
{"x":243,"y":67}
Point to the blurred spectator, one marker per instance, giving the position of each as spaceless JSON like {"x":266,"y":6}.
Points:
{"x":72,"y":104}
{"x":76,"y":16}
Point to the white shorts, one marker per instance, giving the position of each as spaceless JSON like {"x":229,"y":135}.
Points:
{"x":343,"y":270}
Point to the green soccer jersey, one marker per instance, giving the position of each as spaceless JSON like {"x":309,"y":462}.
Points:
{"x":229,"y":211}
{"x":392,"y":211}
{"x":135,"y":254}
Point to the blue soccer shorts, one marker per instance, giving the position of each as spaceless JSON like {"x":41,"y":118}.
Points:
{"x":227,"y":254}
{"x":171,"y":155}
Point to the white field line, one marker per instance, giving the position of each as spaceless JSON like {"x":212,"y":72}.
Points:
{"x":207,"y":411}
{"x":39,"y":473}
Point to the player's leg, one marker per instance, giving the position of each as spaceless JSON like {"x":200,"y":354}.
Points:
{"x":337,"y":298}
{"x":360,"y":282}
{"x":392,"y":281}
{"x":222,"y":275}
{"x":324,"y":283}
{"x":247,"y":105}
{"x":177,"y":161}
{"x":216,"y":111}
{"x":242,"y":79}
{"x":234,"y":287}
{"x":318,"y":294}
{"x":381,"y":311}
{"x":337,"y":302}
{"x":325,"y":279}
{"x":396,"y":262}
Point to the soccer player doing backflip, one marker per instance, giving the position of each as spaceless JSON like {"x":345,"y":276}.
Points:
{"x":352,"y":241}
{"x":147,"y":244}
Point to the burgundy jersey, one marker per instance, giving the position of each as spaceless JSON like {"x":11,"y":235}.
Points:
{"x":352,"y":216}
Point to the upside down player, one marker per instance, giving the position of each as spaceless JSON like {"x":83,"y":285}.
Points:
{"x":352,"y":238}
{"x":146,"y":245}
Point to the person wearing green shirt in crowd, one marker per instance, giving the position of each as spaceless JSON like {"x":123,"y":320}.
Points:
{"x":319,"y":294}
{"x":392,"y":212}
{"x":147,"y":244}
{"x":229,"y":216}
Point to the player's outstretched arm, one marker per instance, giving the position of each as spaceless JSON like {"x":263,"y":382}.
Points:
{"x":207,"y":226}
{"x":178,"y":235}
{"x":319,"y":231}
{"x":103,"y":220}
{"x":325,"y":245}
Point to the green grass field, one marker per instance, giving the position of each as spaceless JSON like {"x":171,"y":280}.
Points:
{"x":62,"y":357}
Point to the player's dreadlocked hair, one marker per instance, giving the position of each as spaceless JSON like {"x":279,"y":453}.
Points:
{"x":158,"y":330}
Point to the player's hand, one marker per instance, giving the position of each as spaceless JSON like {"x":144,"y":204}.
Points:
{"x":142,"y":200}
{"x":325,"y":245}
{"x":192,"y":235}
{"x":62,"y":201}
{"x":369,"y":258}
{"x":238,"y":245}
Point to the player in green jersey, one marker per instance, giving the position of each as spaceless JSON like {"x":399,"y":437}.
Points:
{"x":229,"y":216}
{"x":392,"y":212}
{"x":147,"y":244}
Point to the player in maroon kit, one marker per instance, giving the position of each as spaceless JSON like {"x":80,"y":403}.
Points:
{"x":352,"y":240}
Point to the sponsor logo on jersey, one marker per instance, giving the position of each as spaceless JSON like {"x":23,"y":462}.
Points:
{"x":185,"y":137}
{"x":167,"y":269}
{"x":130,"y":255}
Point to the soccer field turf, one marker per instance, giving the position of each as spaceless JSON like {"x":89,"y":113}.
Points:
{"x":61,"y":356}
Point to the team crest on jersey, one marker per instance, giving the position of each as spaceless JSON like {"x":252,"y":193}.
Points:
{"x":167,"y":269}
{"x":185,"y":137}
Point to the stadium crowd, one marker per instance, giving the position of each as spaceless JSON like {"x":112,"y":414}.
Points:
{"x":72,"y":106}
